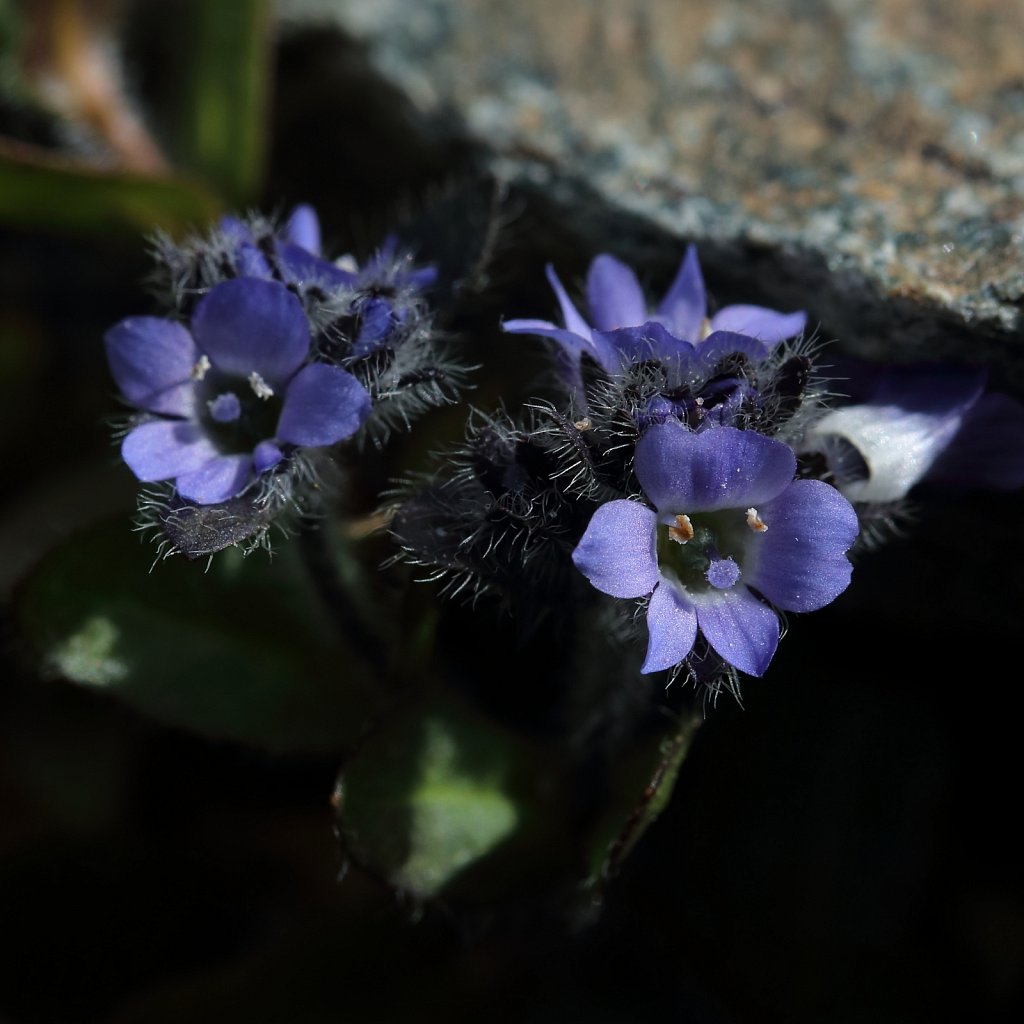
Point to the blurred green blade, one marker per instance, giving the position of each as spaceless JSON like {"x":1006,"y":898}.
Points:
{"x":40,"y":192}
{"x":243,"y":651}
{"x":226,"y":92}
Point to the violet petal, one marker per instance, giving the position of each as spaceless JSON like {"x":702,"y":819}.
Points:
{"x":799,"y":562}
{"x":672,"y":627}
{"x":162,"y":449}
{"x":988,"y":450}
{"x":740,"y":628}
{"x":303,"y":228}
{"x":617,"y":550}
{"x":324,"y":404}
{"x":151,"y":359}
{"x":570,"y":314}
{"x":265,"y":456}
{"x":720,"y":468}
{"x":222,"y":478}
{"x":758,"y":322}
{"x":249,"y":325}
{"x":684,"y":306}
{"x":614,"y":295}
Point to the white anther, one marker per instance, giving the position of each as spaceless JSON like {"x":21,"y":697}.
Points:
{"x":260,"y":388}
{"x":755,"y":522}
{"x":583,"y":424}
{"x":202,"y":367}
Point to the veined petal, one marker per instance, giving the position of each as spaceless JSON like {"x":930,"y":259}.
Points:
{"x":222,"y":478}
{"x":720,"y":468}
{"x":685,"y":304}
{"x":163,"y":449}
{"x":912,"y":416}
{"x":151,"y":359}
{"x":614,"y":295}
{"x":570,"y":314}
{"x":799,"y":562}
{"x":898,"y":447}
{"x":758,"y":322}
{"x":617,"y":551}
{"x":303,"y":228}
{"x":740,"y":628}
{"x":249,"y":325}
{"x":324,"y":404}
{"x":672,"y":627}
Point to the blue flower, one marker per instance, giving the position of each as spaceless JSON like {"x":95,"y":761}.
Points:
{"x":230,"y":398}
{"x":291,"y":254}
{"x":921,"y":424}
{"x":729,"y":526}
{"x":616,"y":301}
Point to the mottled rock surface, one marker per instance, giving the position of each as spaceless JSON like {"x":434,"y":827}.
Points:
{"x":861,"y":158}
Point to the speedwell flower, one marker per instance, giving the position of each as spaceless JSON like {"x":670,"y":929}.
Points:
{"x":230,"y":398}
{"x":729,"y":526}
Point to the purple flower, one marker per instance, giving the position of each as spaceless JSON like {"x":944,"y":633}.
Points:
{"x":231,"y":397}
{"x":729,"y":523}
{"x":923,"y":424}
{"x":616,"y":301}
{"x":291,"y":255}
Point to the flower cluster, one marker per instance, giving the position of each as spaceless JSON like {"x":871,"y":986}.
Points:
{"x":700,"y":471}
{"x":271,"y":355}
{"x":697,"y":470}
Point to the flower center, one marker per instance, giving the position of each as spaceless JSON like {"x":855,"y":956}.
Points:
{"x":705,"y":551}
{"x":237,"y":412}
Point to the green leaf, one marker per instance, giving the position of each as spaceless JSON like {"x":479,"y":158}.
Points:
{"x":41,"y":192}
{"x":243,"y":651}
{"x":226,"y":94}
{"x":644,"y":788}
{"x":438,"y":791}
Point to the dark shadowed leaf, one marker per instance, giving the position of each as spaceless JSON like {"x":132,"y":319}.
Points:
{"x":243,"y":651}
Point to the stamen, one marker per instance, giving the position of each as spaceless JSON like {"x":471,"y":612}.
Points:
{"x":682,"y":531}
{"x":583,"y":424}
{"x":202,"y":367}
{"x":755,"y":522}
{"x":260,"y":388}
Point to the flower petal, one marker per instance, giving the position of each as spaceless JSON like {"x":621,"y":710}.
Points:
{"x":265,"y":456}
{"x":570,"y":314}
{"x":248,"y":325}
{"x":303,"y":228}
{"x":912,"y":416}
{"x":614,"y":295}
{"x":988,"y":450}
{"x":151,"y":359}
{"x":740,"y":628}
{"x":617,"y":551}
{"x":685,"y":304}
{"x":324,"y":404}
{"x":162,"y":449}
{"x":672,"y":625}
{"x":799,"y":562}
{"x":720,"y":468}
{"x":759,"y":322}
{"x":221,"y":479}
{"x":298,"y":266}
{"x":649,"y":340}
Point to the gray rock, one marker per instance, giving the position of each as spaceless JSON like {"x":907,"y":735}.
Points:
{"x":863,"y":159}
